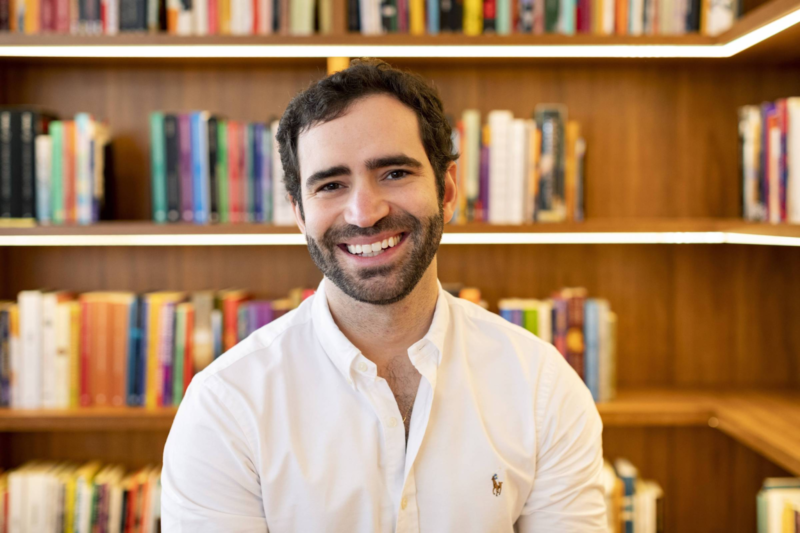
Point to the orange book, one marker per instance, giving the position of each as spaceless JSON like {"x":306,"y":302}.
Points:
{"x":12,"y":15}
{"x":622,"y":17}
{"x":70,"y":209}
{"x":573,"y":131}
{"x":119,"y":346}
{"x":230,"y":300}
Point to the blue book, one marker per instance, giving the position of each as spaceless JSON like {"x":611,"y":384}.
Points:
{"x":433,"y":16}
{"x":258,"y":170}
{"x":134,"y":336}
{"x":628,"y":474}
{"x":200,"y":186}
{"x":141,"y":358}
{"x":591,"y":336}
{"x":5,"y":356}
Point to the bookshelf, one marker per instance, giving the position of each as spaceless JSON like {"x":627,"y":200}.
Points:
{"x":705,"y":329}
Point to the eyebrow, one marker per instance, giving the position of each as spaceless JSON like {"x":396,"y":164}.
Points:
{"x":371,"y":164}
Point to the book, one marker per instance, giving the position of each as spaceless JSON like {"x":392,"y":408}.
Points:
{"x":158,"y":164}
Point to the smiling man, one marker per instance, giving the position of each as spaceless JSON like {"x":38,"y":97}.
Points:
{"x":382,"y":403}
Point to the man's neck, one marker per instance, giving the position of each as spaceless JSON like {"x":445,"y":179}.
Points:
{"x":383,"y":331}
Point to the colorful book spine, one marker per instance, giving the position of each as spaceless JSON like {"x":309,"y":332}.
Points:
{"x":185,"y":166}
{"x":200,"y":178}
{"x":222,"y":171}
{"x":258,"y":171}
{"x":44,"y":151}
{"x":84,"y":130}
{"x":213,"y":187}
{"x":158,"y":162}
{"x":173,"y":167}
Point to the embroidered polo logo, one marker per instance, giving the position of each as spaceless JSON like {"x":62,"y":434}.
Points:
{"x":497,"y":485}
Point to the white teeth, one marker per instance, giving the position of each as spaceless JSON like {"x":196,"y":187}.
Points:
{"x":351,"y":248}
{"x":385,"y":243}
{"x":371,"y":250}
{"x":376,"y":246}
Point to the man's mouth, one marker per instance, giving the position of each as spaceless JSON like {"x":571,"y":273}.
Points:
{"x":374,"y":248}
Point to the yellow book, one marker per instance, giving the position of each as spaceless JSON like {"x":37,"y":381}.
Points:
{"x":154,"y":376}
{"x":534,"y":151}
{"x":416,"y":17}
{"x":573,"y":131}
{"x":473,"y":17}
{"x":31,"y":16}
{"x":224,"y":15}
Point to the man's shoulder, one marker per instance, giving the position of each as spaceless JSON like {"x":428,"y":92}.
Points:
{"x":262,"y":350}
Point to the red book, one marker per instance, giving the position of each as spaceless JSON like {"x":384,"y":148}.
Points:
{"x":70,"y":209}
{"x":99,"y":339}
{"x":188,"y":350}
{"x":213,"y":17}
{"x":234,"y":153}
{"x":256,"y":18}
{"x":230,"y":316}
{"x":61,"y":16}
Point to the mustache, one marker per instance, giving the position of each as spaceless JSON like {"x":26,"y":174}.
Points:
{"x":400,"y":222}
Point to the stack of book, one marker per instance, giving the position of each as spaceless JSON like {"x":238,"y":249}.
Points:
{"x":177,"y":17}
{"x":778,"y":505}
{"x":769,"y":140}
{"x":209,"y":169}
{"x":48,"y":496}
{"x":60,"y":350}
{"x":568,"y":17}
{"x":584,"y":330}
{"x":51,"y":171}
{"x":516,"y":171}
{"x":632,"y":504}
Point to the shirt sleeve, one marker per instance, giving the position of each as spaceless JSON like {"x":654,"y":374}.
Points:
{"x":209,"y":481}
{"x":567,"y":495}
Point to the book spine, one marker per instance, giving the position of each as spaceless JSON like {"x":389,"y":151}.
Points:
{"x":61,"y":16}
{"x":503,"y":17}
{"x":199,"y":133}
{"x":101,"y":368}
{"x":590,"y":333}
{"x":185,"y":165}
{"x":247,"y":174}
{"x":68,"y":166}
{"x":173,"y":172}
{"x":158,"y":167}
{"x":120,"y":353}
{"x":213,"y":186}
{"x":49,"y":350}
{"x":266,"y":173}
{"x":83,"y":172}
{"x":258,"y":169}
{"x":222,"y":172}
{"x":234,"y":155}
{"x":5,"y":15}
{"x":44,"y":150}
{"x":793,"y":160}
{"x":180,"y":352}
{"x":5,"y":358}
{"x":783,"y":170}
{"x":28,"y":131}
{"x":142,"y":352}
{"x":152,"y":366}
{"x":189,"y":351}
{"x":551,"y":15}
{"x":167,"y":354}
{"x":5,"y":164}
{"x":134,"y":338}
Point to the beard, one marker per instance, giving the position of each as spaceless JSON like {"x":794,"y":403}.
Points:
{"x":392,"y":282}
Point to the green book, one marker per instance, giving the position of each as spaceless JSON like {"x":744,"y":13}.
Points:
{"x":530,"y":320}
{"x":551,"y":16}
{"x":180,"y":352}
{"x":158,"y":149}
{"x":57,"y":172}
{"x":222,"y":171}
{"x":503,"y":17}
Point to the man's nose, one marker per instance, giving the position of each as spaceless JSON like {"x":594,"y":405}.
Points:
{"x":366,"y":205}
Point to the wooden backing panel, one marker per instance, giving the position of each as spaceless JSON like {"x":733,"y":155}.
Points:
{"x":134,"y":449}
{"x":709,"y":480}
{"x":698,"y":316}
{"x":662,"y":140}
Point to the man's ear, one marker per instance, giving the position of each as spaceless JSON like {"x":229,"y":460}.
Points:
{"x":450,"y":192}
{"x":298,"y":214}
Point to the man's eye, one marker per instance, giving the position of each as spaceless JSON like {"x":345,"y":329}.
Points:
{"x":329,"y":187}
{"x":398,"y":174}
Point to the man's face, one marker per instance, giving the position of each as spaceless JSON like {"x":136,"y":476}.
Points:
{"x":373,"y":219}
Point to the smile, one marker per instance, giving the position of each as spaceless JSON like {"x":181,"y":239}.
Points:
{"x":375,"y":248}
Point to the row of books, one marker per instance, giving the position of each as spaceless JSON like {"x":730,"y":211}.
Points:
{"x":583,"y":330}
{"x":569,"y":17}
{"x":209,"y":169}
{"x":177,"y":17}
{"x":778,"y":505}
{"x":60,"y":350}
{"x":632,"y":504}
{"x":769,"y":141}
{"x":53,"y":171}
{"x":64,"y":496}
{"x":515,"y":170}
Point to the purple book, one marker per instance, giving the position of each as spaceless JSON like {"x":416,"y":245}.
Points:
{"x":167,"y":350}
{"x":185,"y":143}
{"x":483,"y":190}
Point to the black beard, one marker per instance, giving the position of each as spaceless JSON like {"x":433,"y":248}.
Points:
{"x":423,"y":237}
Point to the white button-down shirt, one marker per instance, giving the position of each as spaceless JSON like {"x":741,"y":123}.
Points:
{"x":293,"y":431}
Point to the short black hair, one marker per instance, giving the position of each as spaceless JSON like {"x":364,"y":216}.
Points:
{"x":330,"y":97}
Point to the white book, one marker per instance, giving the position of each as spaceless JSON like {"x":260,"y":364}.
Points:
{"x":63,"y":346}
{"x":301,"y":17}
{"x":793,"y":161}
{"x":518,"y":172}
{"x":185,"y":24}
{"x":776,"y":499}
{"x":375,"y":14}
{"x":472,"y":153}
{"x":18,"y":499}
{"x":750,"y":134}
{"x":200,"y":17}
{"x":636,"y":21}
{"x":115,"y":509}
{"x":545,"y":316}
{"x":30,"y":332}
{"x":282,"y":212}
{"x":499,"y":168}
{"x":49,"y":333}
{"x":666,"y":19}
{"x":152,"y":15}
{"x":679,"y":17}
{"x":44,"y":149}
{"x":773,"y":161}
{"x":721,"y":16}
{"x":247,"y":14}
{"x":608,"y":17}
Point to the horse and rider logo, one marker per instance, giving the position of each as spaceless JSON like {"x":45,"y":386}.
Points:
{"x":498,"y":485}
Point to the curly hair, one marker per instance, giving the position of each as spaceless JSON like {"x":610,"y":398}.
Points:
{"x":330,"y":98}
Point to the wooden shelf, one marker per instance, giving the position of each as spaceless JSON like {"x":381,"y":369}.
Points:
{"x":743,"y":36}
{"x":767,"y":422}
{"x":599,"y":231}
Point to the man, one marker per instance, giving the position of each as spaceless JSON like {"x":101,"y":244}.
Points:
{"x":382,"y":403}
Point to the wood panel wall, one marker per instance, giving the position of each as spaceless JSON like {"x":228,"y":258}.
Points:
{"x":662,"y":136}
{"x":717,"y":316}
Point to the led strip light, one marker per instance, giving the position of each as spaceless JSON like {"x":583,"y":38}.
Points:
{"x":185,"y":51}
{"x":296,"y":239}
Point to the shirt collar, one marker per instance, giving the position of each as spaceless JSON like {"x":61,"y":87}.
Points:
{"x":342,"y":352}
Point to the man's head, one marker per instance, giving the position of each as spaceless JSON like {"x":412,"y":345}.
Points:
{"x":368,"y":159}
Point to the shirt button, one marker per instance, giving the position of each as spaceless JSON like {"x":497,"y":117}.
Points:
{"x":362,"y":366}
{"x":403,"y":504}
{"x":392,"y":422}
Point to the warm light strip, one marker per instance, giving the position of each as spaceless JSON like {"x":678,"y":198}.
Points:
{"x":765,"y":240}
{"x":239,"y":239}
{"x":761,"y":34}
{"x":711,"y":237}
